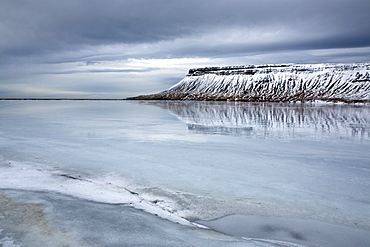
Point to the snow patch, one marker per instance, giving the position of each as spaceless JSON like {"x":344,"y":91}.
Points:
{"x":106,"y":189}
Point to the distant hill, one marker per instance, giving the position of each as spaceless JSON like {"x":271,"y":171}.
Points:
{"x":273,"y":83}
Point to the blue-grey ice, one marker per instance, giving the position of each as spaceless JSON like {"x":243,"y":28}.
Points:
{"x":173,"y":164}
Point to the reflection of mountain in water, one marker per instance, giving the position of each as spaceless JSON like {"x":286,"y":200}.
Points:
{"x":272,"y":119}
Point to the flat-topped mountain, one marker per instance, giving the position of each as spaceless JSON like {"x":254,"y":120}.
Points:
{"x":273,"y":83}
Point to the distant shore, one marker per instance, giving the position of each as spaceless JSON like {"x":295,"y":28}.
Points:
{"x":145,"y":98}
{"x":55,"y":99}
{"x":346,"y":83}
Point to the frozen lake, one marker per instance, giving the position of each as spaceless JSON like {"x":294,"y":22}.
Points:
{"x":259,"y":174}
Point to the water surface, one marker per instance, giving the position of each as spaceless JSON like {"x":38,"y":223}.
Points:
{"x":195,"y":160}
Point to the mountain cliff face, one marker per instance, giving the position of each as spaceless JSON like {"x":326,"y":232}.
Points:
{"x":273,"y":83}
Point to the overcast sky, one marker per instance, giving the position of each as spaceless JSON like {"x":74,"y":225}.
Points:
{"x":121,"y":48}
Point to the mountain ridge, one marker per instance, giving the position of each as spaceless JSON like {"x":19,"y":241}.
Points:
{"x":348,"y":83}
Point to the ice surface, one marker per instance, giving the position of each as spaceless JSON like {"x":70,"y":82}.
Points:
{"x":36,"y":219}
{"x":290,"y":230}
{"x":187,"y":161}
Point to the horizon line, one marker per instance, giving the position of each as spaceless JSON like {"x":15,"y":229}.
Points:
{"x":61,"y":99}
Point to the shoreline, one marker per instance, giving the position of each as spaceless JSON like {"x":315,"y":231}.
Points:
{"x":56,"y":209}
{"x":57,"y":99}
{"x":144,"y":98}
{"x":42,"y":218}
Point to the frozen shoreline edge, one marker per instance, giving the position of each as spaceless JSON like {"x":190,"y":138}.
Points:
{"x":278,"y":231}
{"x":92,"y":190}
{"x":106,"y":189}
{"x":294,"y":230}
{"x":46,"y":218}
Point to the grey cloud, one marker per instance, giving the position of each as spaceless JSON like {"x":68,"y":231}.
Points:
{"x":101,"y":71}
{"x":46,"y":41}
{"x":32,"y":27}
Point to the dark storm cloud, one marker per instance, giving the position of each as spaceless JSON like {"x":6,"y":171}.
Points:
{"x":29,"y":28}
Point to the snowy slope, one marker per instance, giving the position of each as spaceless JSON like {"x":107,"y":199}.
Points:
{"x":282,"y":83}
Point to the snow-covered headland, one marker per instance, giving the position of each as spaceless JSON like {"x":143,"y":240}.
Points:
{"x":273,"y":83}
